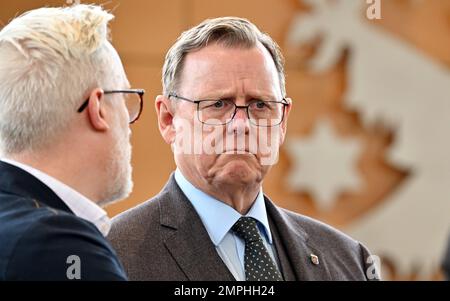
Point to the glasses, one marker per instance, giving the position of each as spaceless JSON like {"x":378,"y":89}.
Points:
{"x":133,"y":101}
{"x":221,"y":112}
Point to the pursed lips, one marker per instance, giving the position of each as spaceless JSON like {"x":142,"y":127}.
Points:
{"x":238,"y":152}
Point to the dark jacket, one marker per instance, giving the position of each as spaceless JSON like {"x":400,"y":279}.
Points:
{"x":39,"y":233}
{"x":446,"y":262}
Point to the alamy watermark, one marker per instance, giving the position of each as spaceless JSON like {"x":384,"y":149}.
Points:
{"x":373,"y":11}
{"x":373,"y":271}
{"x":73,"y":272}
{"x":239,"y":137}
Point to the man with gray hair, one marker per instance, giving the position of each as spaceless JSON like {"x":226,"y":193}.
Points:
{"x":65,"y":109}
{"x":224,"y":112}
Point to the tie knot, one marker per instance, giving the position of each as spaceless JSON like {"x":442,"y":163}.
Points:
{"x":247,"y":229}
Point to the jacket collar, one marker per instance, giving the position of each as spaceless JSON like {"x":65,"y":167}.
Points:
{"x":186,"y":238}
{"x":16,"y":181}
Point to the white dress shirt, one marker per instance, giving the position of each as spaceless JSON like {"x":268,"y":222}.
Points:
{"x":79,"y":204}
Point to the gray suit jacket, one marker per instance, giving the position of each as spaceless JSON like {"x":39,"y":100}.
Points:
{"x":164,"y":239}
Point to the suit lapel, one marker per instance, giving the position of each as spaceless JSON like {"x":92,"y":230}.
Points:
{"x":186,"y":238}
{"x":283,"y":260}
{"x":294,"y":242}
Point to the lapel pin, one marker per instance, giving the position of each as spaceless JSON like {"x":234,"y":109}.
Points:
{"x":314,"y":259}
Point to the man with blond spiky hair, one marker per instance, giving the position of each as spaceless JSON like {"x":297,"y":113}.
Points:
{"x":65,"y":110}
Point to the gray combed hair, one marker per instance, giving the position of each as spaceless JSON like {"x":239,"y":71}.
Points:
{"x":226,"y":31}
{"x":49,"y":59}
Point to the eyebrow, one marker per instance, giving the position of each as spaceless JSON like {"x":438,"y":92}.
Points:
{"x":228,"y":95}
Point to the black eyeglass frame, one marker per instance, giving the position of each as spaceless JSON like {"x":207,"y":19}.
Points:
{"x":284,"y":102}
{"x":140,"y":92}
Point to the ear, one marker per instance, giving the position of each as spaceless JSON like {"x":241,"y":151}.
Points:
{"x":96,"y":111}
{"x":165,"y":118}
{"x":283,"y":125}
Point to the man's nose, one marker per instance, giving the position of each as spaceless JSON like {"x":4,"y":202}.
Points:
{"x":240,"y":123}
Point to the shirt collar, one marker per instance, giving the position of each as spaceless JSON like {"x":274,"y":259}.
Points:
{"x":79,"y":204}
{"x":218,"y":217}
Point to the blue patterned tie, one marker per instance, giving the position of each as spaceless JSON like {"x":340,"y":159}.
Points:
{"x":258,"y":263}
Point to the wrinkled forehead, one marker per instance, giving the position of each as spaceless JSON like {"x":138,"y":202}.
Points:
{"x":218,"y":67}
